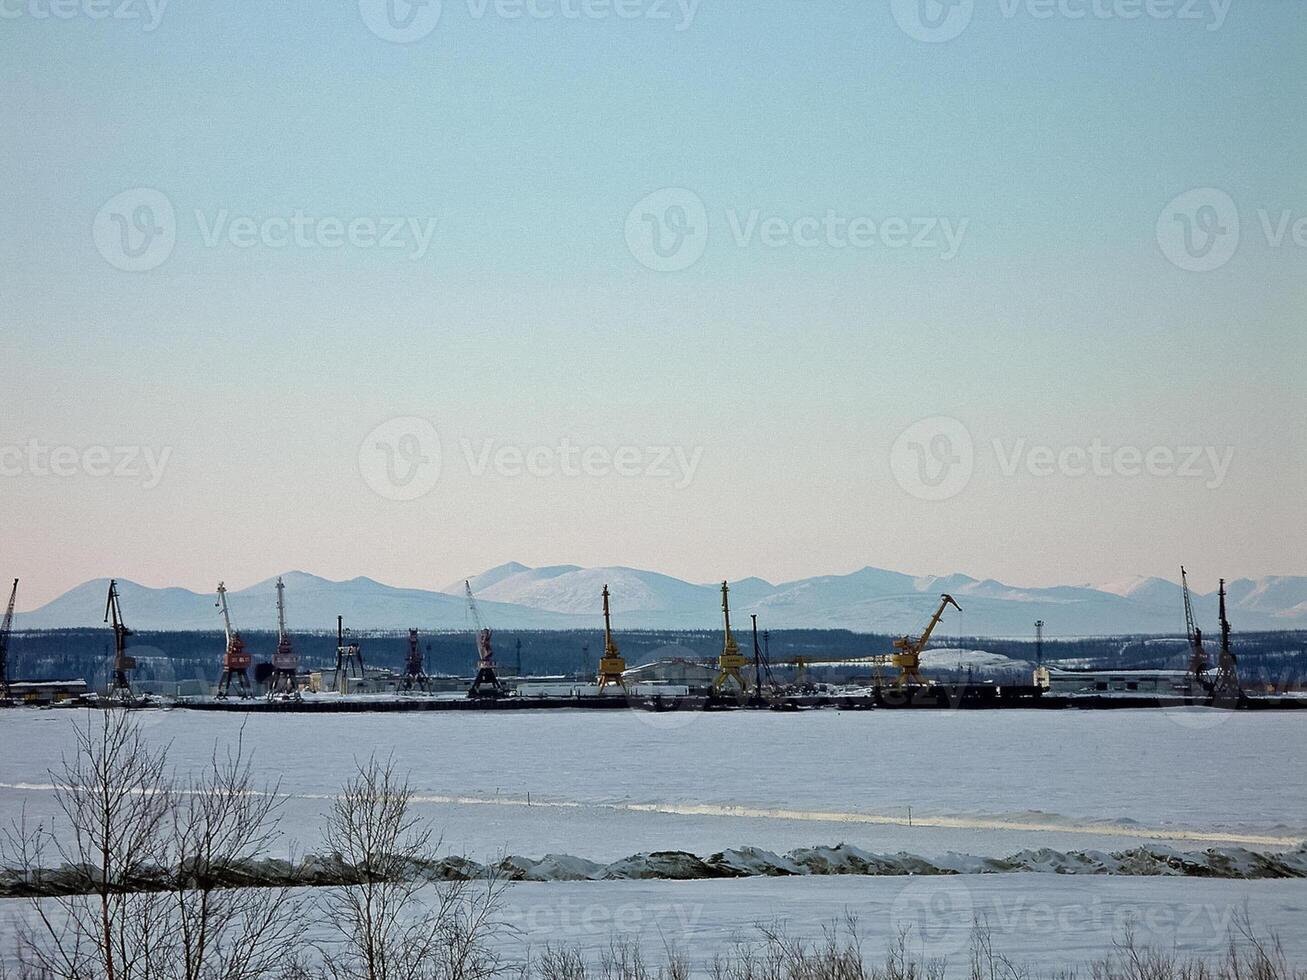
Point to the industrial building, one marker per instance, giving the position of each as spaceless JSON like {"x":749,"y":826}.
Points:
{"x":1144,"y":681}
{"x":697,"y":677}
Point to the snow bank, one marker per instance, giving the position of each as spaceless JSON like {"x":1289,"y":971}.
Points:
{"x":743,"y":862}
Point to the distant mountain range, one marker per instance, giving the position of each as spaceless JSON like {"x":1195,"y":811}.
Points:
{"x":871,"y":600}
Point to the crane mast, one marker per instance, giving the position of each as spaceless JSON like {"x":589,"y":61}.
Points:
{"x":414,"y":673}
{"x":285,"y":664}
{"x":731,"y":661}
{"x":1197,"y":655}
{"x":1227,"y":670}
{"x":6,"y":630}
{"x":235,"y":660}
{"x":611,"y":664}
{"x":486,"y":684}
{"x":120,"y":686}
{"x":349,"y":658}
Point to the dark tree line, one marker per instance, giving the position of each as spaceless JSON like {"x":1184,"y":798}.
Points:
{"x":170,"y":656}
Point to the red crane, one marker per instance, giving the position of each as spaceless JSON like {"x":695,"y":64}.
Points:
{"x":235,"y":661}
{"x":487,"y":683}
{"x":285,"y":664}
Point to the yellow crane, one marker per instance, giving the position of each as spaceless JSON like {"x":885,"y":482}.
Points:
{"x":611,"y":664}
{"x":908,"y":657}
{"x":731,"y":660}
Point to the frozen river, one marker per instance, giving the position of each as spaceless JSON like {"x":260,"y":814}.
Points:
{"x":604,"y":785}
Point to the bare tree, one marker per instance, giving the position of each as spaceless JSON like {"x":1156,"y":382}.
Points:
{"x":219,"y":826}
{"x":148,"y":864}
{"x":113,"y":795}
{"x":398,"y":923}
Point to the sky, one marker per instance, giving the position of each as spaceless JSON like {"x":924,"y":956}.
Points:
{"x":728,"y":288}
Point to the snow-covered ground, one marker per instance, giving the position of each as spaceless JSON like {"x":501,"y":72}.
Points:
{"x":1046,"y":922}
{"x":606,"y":785}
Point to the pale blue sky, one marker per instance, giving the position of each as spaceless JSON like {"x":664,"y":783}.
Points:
{"x":529,"y":321}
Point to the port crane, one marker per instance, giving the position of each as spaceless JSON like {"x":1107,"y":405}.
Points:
{"x":6,"y":630}
{"x":349,"y":658}
{"x":235,"y":660}
{"x":1227,"y":669}
{"x":1197,"y":655}
{"x":731,"y":661}
{"x":611,"y":664}
{"x":120,"y":686}
{"x":762,"y":668}
{"x":285,"y":664}
{"x":908,"y":657}
{"x":414,"y":673}
{"x":486,"y":684}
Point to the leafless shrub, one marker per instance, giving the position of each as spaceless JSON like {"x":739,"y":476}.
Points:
{"x":398,"y":923}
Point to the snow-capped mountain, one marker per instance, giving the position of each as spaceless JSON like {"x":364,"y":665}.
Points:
{"x":514,"y":596}
{"x":312,"y":604}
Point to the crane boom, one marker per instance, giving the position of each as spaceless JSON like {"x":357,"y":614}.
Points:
{"x":486,"y":676}
{"x":120,"y":688}
{"x":6,"y":629}
{"x":908,"y":659}
{"x":226,"y":616}
{"x":1197,"y":655}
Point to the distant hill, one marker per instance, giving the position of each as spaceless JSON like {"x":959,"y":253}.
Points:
{"x":871,"y":600}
